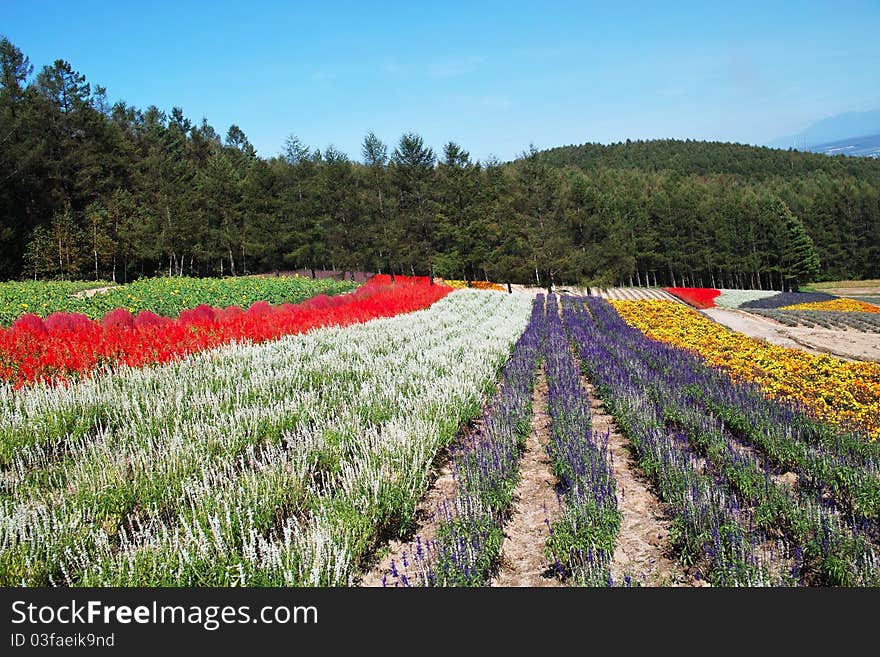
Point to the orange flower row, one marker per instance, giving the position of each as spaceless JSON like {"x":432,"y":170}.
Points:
{"x":840,"y":305}
{"x":479,"y":285}
{"x":846,"y":393}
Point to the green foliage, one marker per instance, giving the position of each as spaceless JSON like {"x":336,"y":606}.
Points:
{"x":799,"y":258}
{"x":164,"y":296}
{"x":120,"y":193}
{"x":40,"y":297}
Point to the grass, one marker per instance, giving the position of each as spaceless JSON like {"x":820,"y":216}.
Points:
{"x":848,"y":285}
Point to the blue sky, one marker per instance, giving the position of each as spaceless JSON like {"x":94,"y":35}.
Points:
{"x":493,"y":76}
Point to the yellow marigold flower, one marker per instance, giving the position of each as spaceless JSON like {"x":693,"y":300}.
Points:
{"x":840,"y":305}
{"x":838,"y":391}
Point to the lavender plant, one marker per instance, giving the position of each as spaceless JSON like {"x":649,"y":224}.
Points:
{"x":719,"y":421}
{"x":705,"y":527}
{"x":787,"y":299}
{"x":487,"y":468}
{"x":582,"y":541}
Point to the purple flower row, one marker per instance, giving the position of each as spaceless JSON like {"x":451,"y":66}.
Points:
{"x":732,"y":435}
{"x":582,"y":541}
{"x":486,"y":466}
{"x":705,"y":514}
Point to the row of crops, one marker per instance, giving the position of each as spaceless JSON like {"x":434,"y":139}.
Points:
{"x":281,"y":463}
{"x":809,"y":309}
{"x":867,"y":322}
{"x":69,"y":345}
{"x":467,"y":549}
{"x":847,"y":393}
{"x":287,"y":452}
{"x":166,"y":296}
{"x":718,"y":451}
{"x":760,"y":492}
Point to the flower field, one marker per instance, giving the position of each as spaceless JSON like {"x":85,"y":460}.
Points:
{"x":706,"y":297}
{"x":470,"y":531}
{"x":836,"y":305}
{"x":730,"y":298}
{"x":698,"y":297}
{"x":41,"y":297}
{"x":281,"y":463}
{"x":782,"y":299}
{"x":166,"y":296}
{"x":286,"y":445}
{"x":760,"y":493}
{"x":581,"y":543}
{"x":860,"y":321}
{"x":70,"y":344}
{"x":478,"y":285}
{"x":847,"y":393}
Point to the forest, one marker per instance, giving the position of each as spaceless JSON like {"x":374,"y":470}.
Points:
{"x":94,"y":189}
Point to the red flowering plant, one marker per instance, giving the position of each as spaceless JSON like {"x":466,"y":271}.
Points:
{"x":698,"y":297}
{"x":66,"y":344}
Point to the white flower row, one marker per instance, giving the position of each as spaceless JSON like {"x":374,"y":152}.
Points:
{"x":735,"y":298}
{"x":276,"y":463}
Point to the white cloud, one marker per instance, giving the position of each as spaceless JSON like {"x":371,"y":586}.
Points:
{"x":455,"y":67}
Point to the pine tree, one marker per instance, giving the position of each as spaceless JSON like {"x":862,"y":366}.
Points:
{"x":800,"y":261}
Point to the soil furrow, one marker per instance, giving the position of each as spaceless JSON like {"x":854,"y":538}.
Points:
{"x":442,"y":491}
{"x":535,"y":507}
{"x":644,"y":548}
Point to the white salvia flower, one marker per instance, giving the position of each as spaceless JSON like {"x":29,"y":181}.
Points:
{"x":224,"y":437}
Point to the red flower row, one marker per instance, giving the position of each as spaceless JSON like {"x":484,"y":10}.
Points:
{"x":34,"y":349}
{"x":698,"y":297}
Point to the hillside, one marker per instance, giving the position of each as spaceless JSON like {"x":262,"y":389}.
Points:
{"x":689,"y":157}
{"x":118,"y":193}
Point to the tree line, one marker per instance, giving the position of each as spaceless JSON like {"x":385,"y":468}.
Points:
{"x":92,"y":189}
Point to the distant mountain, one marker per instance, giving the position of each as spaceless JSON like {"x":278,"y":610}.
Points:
{"x":858,"y":147}
{"x":841,"y":127}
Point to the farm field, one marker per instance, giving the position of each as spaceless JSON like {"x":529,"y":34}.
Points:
{"x":843,"y":392}
{"x":19,"y":297}
{"x":479,"y":285}
{"x":416,"y":435}
{"x":864,"y":290}
{"x":632,"y":293}
{"x":754,"y":486}
{"x":166,"y":296}
{"x":279,"y":464}
{"x":814,"y":321}
{"x":66,"y":345}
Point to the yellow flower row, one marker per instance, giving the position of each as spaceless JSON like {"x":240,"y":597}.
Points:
{"x":480,"y":285}
{"x":838,"y":391}
{"x":840,"y":305}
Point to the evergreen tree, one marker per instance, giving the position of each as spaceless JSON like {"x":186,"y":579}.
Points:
{"x":800,"y":261}
{"x":412,"y":166}
{"x":112,"y":191}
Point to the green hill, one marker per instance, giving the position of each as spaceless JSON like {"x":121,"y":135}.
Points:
{"x":689,"y":157}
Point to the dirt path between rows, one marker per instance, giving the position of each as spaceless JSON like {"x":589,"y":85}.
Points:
{"x":845,"y":344}
{"x":535,"y":507}
{"x":644,"y":550}
{"x":442,"y":491}
{"x":753,"y":326}
{"x":848,"y":344}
